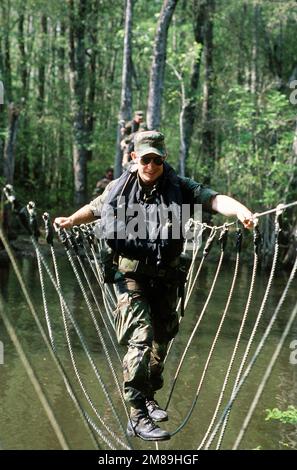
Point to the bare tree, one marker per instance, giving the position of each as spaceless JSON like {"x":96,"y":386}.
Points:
{"x":9,"y":150}
{"x":6,"y":59}
{"x":23,"y":55}
{"x":126,"y":95}
{"x":42,"y":160}
{"x":92,"y":66}
{"x":158,"y":65}
{"x":189,"y":96}
{"x":78,"y":91}
{"x":208,"y":133}
{"x":56,"y":182}
{"x":41,"y":67}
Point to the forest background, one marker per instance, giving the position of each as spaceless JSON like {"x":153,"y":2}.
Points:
{"x":218,"y":77}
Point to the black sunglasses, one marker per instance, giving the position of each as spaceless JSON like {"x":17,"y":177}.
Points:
{"x":145,"y":160}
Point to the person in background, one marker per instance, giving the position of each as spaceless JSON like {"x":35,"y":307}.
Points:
{"x":103,"y":182}
{"x":128,"y":133}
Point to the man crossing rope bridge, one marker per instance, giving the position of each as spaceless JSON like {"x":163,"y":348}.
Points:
{"x":142,"y":222}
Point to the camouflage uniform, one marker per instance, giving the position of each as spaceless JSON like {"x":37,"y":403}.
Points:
{"x":127,"y":143}
{"x":145,"y":321}
{"x":146,"y":318}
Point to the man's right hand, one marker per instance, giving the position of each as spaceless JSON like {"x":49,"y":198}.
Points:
{"x":64,"y":222}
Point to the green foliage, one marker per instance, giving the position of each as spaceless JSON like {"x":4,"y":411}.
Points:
{"x":254,"y":129}
{"x":257,"y":144}
{"x":288,"y":416}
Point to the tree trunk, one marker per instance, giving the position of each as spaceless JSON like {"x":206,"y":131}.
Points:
{"x":40,"y":161}
{"x":25,"y":46}
{"x":9,"y":150}
{"x":126,"y":95}
{"x":189,"y":104}
{"x":255,"y":48}
{"x":23,"y":54}
{"x":60,"y":159}
{"x":208,"y":134}
{"x":138,"y":87}
{"x":255,"y":72}
{"x":77,"y":85}
{"x":6,"y":78}
{"x":41,"y":68}
{"x":241,"y":45}
{"x":92,"y":54}
{"x":158,"y":65}
{"x":274,"y":46}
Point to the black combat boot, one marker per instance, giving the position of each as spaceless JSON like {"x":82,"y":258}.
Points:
{"x":141,"y":425}
{"x":154,"y":410}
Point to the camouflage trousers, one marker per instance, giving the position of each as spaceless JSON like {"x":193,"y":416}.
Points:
{"x":145,"y":321}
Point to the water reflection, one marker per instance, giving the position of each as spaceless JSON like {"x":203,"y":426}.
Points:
{"x":24,"y":424}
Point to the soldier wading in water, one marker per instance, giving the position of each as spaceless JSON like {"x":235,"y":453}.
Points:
{"x":146,"y":278}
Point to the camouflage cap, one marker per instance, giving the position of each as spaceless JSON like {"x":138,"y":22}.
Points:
{"x":139,"y":113}
{"x":149,"y":142}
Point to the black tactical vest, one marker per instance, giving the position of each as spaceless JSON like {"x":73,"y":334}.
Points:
{"x":142,"y":227}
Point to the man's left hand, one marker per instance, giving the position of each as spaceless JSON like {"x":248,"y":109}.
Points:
{"x":246,"y":217}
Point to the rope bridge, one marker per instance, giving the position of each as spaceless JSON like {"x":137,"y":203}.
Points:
{"x":83,"y":250}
